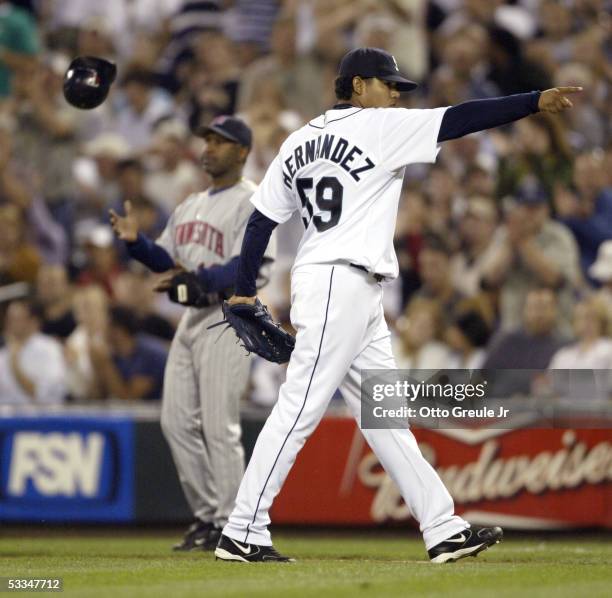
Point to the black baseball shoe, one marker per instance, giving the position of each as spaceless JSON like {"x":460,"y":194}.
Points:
{"x":469,"y":542}
{"x":229,"y":549}
{"x":200,"y":535}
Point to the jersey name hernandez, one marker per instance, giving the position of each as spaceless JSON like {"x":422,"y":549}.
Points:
{"x":326,"y":147}
{"x":201,"y":233}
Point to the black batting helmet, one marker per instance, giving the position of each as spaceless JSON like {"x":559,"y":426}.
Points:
{"x":87,"y":81}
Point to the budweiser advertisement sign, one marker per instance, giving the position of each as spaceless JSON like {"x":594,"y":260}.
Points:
{"x":523,"y":478}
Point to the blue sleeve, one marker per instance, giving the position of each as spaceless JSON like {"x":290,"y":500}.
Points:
{"x":478,"y":115}
{"x":153,"y":256}
{"x":219,"y":278}
{"x":588,"y":231}
{"x":256,"y":237}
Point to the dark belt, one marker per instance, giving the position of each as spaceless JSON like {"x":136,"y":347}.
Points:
{"x":377,"y":277}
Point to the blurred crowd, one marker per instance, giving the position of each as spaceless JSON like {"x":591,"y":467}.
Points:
{"x":504,"y":245}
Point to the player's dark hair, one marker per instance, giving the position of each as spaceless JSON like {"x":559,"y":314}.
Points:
{"x":344,"y":88}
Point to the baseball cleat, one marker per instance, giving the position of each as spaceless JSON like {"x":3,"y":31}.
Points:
{"x":469,"y":542}
{"x":200,"y":536}
{"x":229,"y":549}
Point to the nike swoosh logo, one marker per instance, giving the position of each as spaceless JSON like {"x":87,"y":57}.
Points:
{"x":241,"y":548}
{"x":460,"y":540}
{"x":200,"y":541}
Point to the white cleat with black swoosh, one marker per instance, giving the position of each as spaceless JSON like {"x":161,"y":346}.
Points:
{"x":469,"y":542}
{"x":229,"y":549}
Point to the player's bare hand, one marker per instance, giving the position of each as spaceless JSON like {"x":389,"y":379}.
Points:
{"x":555,"y":100}
{"x":236,"y":299}
{"x":164,"y":282}
{"x":125,"y":227}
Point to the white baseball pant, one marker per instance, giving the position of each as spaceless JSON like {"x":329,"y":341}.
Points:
{"x":338,"y":315}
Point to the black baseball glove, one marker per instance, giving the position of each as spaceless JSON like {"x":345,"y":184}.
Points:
{"x":187,"y":289}
{"x":257,"y":330}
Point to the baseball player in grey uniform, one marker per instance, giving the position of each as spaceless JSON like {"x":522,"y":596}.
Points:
{"x":205,"y":375}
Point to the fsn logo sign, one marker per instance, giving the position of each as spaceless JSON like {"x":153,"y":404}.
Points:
{"x":56,"y":464}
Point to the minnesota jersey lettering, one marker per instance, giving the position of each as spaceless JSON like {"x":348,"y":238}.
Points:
{"x":327,"y":147}
{"x":201,"y":233}
{"x":208,"y":227}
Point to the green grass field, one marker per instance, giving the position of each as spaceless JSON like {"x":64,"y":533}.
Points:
{"x":124,"y":563}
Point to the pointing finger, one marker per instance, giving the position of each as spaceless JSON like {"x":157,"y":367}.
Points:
{"x":569,"y":89}
{"x":127,"y":206}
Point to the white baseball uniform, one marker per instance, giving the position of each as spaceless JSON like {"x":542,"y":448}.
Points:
{"x":206,"y":374}
{"x":343,"y":172}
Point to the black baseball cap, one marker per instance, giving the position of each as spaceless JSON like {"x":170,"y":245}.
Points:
{"x":374,"y":62}
{"x":231,"y":128}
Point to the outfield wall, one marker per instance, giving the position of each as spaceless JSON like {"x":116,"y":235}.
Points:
{"x":113,"y":465}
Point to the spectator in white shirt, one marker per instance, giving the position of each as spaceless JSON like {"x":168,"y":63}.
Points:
{"x":593,"y":347}
{"x":592,"y":352}
{"x":32,"y":367}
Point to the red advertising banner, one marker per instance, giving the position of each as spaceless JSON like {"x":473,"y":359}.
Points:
{"x":525,"y":478}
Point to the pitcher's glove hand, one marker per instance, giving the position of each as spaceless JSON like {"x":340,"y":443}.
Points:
{"x":257,"y":330}
{"x":187,"y":289}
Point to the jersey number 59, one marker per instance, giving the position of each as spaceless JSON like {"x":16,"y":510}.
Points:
{"x":328,"y":197}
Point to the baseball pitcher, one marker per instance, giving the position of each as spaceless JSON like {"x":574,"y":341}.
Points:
{"x":343,"y":172}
